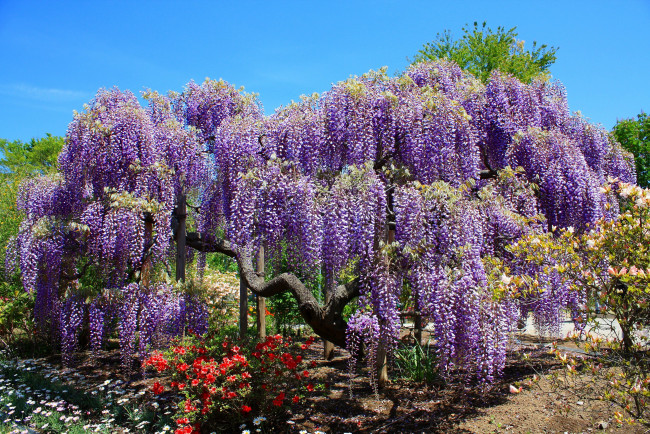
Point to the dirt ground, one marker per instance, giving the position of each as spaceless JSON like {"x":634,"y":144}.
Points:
{"x":403,"y":407}
{"x":350,"y":404}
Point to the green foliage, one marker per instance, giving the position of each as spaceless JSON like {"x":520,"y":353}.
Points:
{"x":221,"y":262}
{"x":38,"y":157}
{"x":16,"y":314}
{"x":417,"y":363}
{"x":10,"y":217}
{"x":481,"y":50}
{"x":634,"y":136}
{"x":286,"y":314}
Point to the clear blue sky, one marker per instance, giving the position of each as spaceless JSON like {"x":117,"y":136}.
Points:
{"x":55,"y":55}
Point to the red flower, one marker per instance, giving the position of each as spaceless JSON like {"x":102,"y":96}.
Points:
{"x":157,"y":388}
{"x":246,"y":375}
{"x":278,"y":399}
{"x":195,"y":382}
{"x":189,"y":407}
{"x":310,"y":387}
{"x":182,"y":367}
{"x":305,"y":373}
{"x":296,"y":399}
{"x":181,"y":386}
{"x":183,"y":421}
{"x":245,"y":409}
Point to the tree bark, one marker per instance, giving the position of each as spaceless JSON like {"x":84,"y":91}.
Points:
{"x":326,"y":321}
{"x":261,"y":301}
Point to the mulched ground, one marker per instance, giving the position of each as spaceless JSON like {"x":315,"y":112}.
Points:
{"x":351,"y":405}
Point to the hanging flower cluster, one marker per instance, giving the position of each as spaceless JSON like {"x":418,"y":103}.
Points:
{"x":412,"y":185}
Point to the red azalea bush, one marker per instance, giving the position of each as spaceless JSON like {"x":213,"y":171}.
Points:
{"x":226,"y":380}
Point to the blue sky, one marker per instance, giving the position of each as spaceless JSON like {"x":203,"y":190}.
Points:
{"x":56,"y":55}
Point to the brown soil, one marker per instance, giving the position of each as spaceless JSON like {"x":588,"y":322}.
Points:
{"x":405,"y":407}
{"x":350,"y":405}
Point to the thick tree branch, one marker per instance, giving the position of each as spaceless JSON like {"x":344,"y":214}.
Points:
{"x":326,"y":321}
{"x":196,"y":241}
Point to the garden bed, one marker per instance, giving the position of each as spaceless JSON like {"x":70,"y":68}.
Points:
{"x":97,"y":396}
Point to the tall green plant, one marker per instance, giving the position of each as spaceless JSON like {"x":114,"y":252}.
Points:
{"x":634,"y":135}
{"x":417,"y":363}
{"x":481,"y":50}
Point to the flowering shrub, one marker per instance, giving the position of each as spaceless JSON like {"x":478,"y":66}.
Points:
{"x":607,"y":269}
{"x":233,"y":381}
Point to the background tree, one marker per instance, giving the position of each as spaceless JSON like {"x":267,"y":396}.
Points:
{"x":634,"y":135}
{"x":20,"y":161}
{"x":37,"y":157}
{"x":481,"y":50}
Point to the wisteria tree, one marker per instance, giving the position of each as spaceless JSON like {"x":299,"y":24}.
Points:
{"x":397,"y":191}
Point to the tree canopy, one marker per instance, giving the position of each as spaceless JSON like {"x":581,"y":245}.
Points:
{"x":481,"y":50}
{"x":634,"y":136}
{"x":401,"y":192}
{"x":37,"y":157}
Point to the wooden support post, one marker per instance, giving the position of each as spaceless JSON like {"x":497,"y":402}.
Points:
{"x":181,"y":213}
{"x":261,"y":301}
{"x":243,"y":306}
{"x":417,"y":323}
{"x":381,"y":366}
{"x":328,"y":347}
{"x":146,"y":270}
